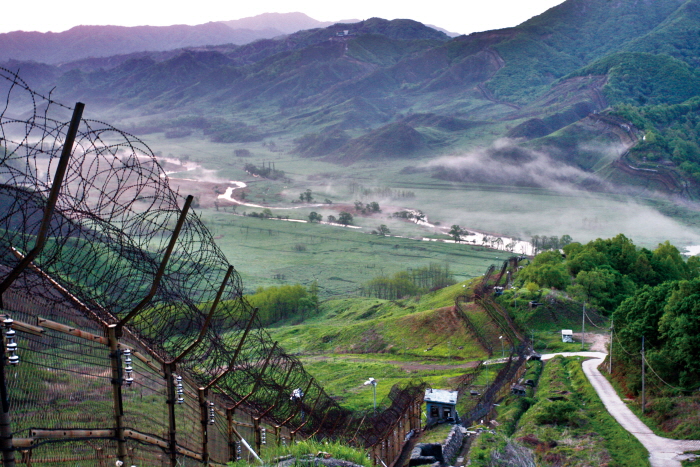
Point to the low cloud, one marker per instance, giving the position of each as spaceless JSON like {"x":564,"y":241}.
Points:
{"x":506,"y":163}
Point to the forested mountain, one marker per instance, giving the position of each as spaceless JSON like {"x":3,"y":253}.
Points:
{"x":586,"y":70}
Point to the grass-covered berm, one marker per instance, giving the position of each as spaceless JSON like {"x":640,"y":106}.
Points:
{"x":353,"y":339}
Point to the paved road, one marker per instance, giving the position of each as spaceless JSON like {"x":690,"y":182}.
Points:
{"x":663,"y":452}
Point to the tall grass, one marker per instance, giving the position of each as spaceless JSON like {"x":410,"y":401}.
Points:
{"x":309,"y":449}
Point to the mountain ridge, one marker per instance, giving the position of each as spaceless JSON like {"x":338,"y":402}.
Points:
{"x":527,"y":82}
{"x":81,"y":42}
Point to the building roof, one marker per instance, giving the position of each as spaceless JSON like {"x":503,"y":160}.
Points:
{"x":441,"y":396}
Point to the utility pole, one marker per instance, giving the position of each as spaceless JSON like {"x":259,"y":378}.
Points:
{"x":644,"y":402}
{"x":583,"y":325}
{"x":612,"y":324}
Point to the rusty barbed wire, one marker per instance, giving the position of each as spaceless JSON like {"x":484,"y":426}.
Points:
{"x":111,"y":227}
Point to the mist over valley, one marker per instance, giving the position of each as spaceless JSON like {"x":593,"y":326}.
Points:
{"x":545,"y":128}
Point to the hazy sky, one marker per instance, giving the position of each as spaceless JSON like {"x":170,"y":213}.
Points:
{"x":463,"y":16}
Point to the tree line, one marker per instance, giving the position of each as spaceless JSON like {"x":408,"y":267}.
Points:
{"x":606,"y":272}
{"x":285,"y":302}
{"x":266,"y":171}
{"x":407,"y":283}
{"x":650,"y":294}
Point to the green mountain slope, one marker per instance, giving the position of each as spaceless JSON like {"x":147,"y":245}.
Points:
{"x":371,"y":79}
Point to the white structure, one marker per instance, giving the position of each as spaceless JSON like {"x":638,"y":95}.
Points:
{"x":440,"y":405}
{"x":567,"y":335}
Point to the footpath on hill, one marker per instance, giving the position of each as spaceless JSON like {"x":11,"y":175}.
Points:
{"x":663,"y":452}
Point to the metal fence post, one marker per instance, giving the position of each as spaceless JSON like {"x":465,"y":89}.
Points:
{"x":115,"y":360}
{"x":231,"y":441}
{"x":168,"y":369}
{"x":8,"y":450}
{"x":6,"y":446}
{"x":258,"y":435}
{"x":204,"y":418}
{"x":161,"y":269}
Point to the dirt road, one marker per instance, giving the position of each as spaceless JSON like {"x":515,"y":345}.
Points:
{"x":663,"y":452}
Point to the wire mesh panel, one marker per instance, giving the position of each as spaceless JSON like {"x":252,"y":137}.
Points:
{"x":63,"y":381}
{"x":188,"y":420}
{"x":145,"y":401}
{"x":145,"y":455}
{"x":218,"y":438}
{"x":78,"y":453}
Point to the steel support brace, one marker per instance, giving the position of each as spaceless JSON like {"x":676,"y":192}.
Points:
{"x":50,"y":202}
{"x":279,"y":395}
{"x":237,"y":352}
{"x":259,"y":378}
{"x":161,"y":270}
{"x":207,"y":322}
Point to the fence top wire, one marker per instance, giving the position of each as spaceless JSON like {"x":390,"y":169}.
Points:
{"x":113,"y":221}
{"x":111,"y":226}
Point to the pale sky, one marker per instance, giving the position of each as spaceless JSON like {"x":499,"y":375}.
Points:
{"x":461,"y":16}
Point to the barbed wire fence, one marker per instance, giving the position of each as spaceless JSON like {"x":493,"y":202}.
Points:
{"x":134,"y":340}
{"x":490,"y":323}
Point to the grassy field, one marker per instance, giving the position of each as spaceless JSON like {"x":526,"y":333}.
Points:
{"x":271,"y":252}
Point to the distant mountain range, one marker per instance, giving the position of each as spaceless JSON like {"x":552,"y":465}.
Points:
{"x":103,"y":41}
{"x":585,"y":71}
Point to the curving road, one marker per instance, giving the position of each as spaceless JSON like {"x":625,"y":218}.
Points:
{"x":663,"y":452}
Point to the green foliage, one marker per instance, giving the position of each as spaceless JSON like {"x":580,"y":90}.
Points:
{"x":284,"y":302}
{"x":672,"y":132}
{"x":692,"y":463}
{"x":603,"y":273}
{"x":667,"y":316}
{"x":369,"y":208}
{"x":306,"y":196}
{"x":456,"y":232}
{"x":406,"y":283}
{"x":556,"y":412}
{"x":345,"y":218}
{"x":645,"y":79}
{"x":383,"y":230}
{"x":547,"y":270}
{"x":305,"y":451}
